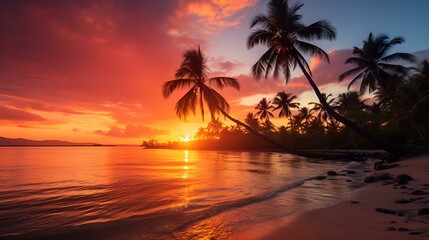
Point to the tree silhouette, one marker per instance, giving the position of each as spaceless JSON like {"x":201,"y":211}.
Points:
{"x":193,"y":74}
{"x":286,"y":37}
{"x":376,"y":68}
{"x":264,"y":108}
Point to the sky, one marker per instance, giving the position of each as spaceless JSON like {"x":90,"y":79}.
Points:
{"x":92,"y":71}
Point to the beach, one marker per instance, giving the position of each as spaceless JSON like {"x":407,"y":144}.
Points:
{"x":402,"y":211}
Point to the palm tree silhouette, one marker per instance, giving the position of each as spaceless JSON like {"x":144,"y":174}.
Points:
{"x":287,"y":40}
{"x":375,"y":69}
{"x":320,"y":111}
{"x":193,"y":74}
{"x":285,"y":102}
{"x":264,"y":108}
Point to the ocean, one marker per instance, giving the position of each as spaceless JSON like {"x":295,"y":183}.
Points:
{"x":135,"y":193}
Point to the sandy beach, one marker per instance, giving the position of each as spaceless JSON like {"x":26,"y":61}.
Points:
{"x":402,"y":211}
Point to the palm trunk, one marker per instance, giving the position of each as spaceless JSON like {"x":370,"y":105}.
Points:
{"x":290,"y":150}
{"x":392,"y":149}
{"x":406,"y":114}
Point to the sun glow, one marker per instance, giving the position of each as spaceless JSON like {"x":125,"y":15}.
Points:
{"x":187,"y":138}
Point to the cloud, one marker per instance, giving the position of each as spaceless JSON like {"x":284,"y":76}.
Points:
{"x":11,"y":114}
{"x":131,"y":131}
{"x":209,"y":16}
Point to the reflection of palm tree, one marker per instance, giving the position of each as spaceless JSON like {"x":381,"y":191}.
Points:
{"x":286,"y":37}
{"x":285,"y":102}
{"x":264,"y":108}
{"x":374,"y":69}
{"x":193,"y":74}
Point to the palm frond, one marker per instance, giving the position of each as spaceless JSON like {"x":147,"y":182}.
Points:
{"x":222,"y":82}
{"x":170,"y":86}
{"x":187,"y":103}
{"x":312,"y":50}
{"x":317,"y":31}
{"x":350,"y":72}
{"x":399,"y":56}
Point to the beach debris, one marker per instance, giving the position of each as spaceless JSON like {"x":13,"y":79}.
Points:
{"x":331,"y":173}
{"x":380,"y":165}
{"x":419,"y":192}
{"x":320,"y":178}
{"x":402,"y":201}
{"x":403,"y":179}
{"x":423,"y":211}
{"x":385,"y":211}
{"x":370,"y":179}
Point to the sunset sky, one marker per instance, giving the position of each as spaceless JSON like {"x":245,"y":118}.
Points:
{"x":92,"y":71}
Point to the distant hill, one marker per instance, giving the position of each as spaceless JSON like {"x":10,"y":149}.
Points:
{"x":26,"y":142}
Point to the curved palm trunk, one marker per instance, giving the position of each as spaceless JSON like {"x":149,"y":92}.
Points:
{"x":393,"y":149}
{"x":290,"y":150}
{"x":407,"y":115}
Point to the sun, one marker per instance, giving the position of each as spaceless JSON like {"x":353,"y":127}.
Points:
{"x":186,"y":139}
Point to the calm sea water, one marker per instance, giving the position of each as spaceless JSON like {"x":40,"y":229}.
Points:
{"x":135,"y":193}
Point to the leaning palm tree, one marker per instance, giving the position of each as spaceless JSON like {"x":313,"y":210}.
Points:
{"x":375,"y":68}
{"x":264,"y":108}
{"x":193,"y":74}
{"x":285,"y":102}
{"x":286,"y":37}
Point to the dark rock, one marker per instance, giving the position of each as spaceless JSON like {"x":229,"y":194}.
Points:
{"x":419,"y":192}
{"x":393,"y":222}
{"x":320,"y":177}
{"x":403,"y":179}
{"x":401,"y":201}
{"x":391,"y":229}
{"x":331,"y":173}
{"x":415,"y":233}
{"x":370,"y":179}
{"x":367,"y":171}
{"x":395,"y":187}
{"x":402,"y":229}
{"x":386,"y":211}
{"x":348,"y":180}
{"x":379,"y":165}
{"x":400,"y":214}
{"x":351,"y":172}
{"x":354,"y":202}
{"x":384,"y":176}
{"x":423,"y":211}
{"x":403,"y":187}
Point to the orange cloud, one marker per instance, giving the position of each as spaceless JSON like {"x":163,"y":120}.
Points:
{"x":209,"y":16}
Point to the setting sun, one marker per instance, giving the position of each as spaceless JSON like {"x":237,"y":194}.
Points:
{"x":187,"y":138}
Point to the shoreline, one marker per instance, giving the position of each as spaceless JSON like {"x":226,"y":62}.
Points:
{"x":356,"y":218}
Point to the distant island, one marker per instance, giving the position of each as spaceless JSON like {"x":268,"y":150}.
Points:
{"x":27,"y":142}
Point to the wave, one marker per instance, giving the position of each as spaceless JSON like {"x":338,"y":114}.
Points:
{"x":160,"y":223}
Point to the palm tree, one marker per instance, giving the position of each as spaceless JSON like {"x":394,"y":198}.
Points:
{"x":320,"y":111}
{"x":285,"y":102}
{"x":286,"y":37}
{"x":193,"y":74}
{"x":264,"y":108}
{"x":374,"y":68}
